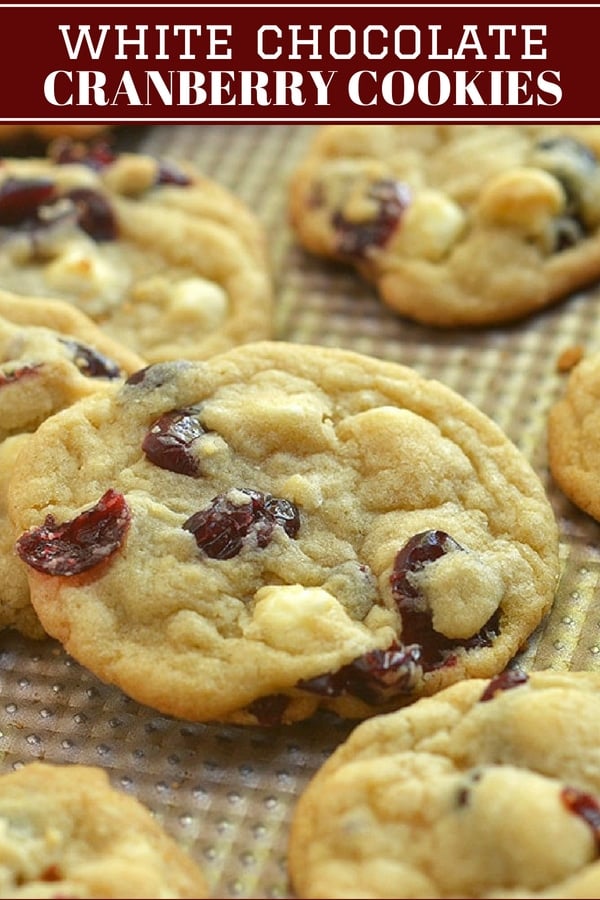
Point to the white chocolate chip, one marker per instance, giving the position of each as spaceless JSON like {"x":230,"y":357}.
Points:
{"x":303,"y":620}
{"x":80,"y":270}
{"x":430,"y":226}
{"x":523,"y":197}
{"x":209,"y":445}
{"x":462,"y":591}
{"x":199,"y":300}
{"x":131,"y":174}
{"x":303,"y":491}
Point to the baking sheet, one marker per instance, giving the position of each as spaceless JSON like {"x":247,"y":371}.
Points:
{"x":227,"y":793}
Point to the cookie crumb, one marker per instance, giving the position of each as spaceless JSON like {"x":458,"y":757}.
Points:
{"x":569,"y":358}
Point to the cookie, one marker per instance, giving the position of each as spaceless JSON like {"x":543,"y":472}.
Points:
{"x":52,"y":355}
{"x":281,"y":528}
{"x":16,"y":610}
{"x":163,"y":259}
{"x":573,"y":436}
{"x":455,"y":225}
{"x":66,"y":832}
{"x":488,"y":789}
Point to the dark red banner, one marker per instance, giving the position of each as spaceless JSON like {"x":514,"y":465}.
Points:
{"x":297,"y":63}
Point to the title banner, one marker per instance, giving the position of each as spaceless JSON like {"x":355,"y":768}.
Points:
{"x":297,"y":63}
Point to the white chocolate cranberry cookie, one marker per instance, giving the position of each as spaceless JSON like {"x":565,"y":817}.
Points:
{"x":281,"y":528}
{"x":164,"y":260}
{"x":66,"y":832}
{"x":16,"y":610}
{"x":50,"y":356}
{"x":488,"y":789}
{"x":574,"y":437}
{"x":455,"y":225}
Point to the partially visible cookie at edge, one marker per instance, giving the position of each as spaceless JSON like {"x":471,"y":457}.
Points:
{"x":574,"y":436}
{"x":455,"y":225}
{"x":162,"y":258}
{"x":16,"y":611}
{"x":279,"y":529}
{"x":65,"y":831}
{"x":488,"y":789}
{"x":52,"y":355}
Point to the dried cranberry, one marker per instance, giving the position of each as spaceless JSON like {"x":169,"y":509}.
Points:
{"x":269,"y":710}
{"x":484,"y":637}
{"x":376,"y":677}
{"x":586,"y":806}
{"x":92,"y":363}
{"x":170,"y":440}
{"x":436,"y":649}
{"x":96,"y":156}
{"x":221,"y":528}
{"x":169,"y":174}
{"x":512,"y":678}
{"x":95,"y":215}
{"x":356,"y":238}
{"x":51,"y":873}
{"x":417,"y":628}
{"x":20,"y":198}
{"x":69,"y":548}
{"x":17,"y":374}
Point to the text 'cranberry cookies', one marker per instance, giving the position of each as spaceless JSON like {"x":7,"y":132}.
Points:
{"x":162,"y":258}
{"x":281,"y":528}
{"x":455,"y":224}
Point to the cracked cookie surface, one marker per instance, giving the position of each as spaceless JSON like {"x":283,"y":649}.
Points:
{"x":281,"y":528}
{"x":163,"y":259}
{"x":455,"y":225}
{"x":66,"y":832}
{"x":488,"y":789}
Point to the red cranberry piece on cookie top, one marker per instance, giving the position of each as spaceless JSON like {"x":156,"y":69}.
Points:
{"x":21,"y":198}
{"x":91,"y":362}
{"x":222,"y":528}
{"x":69,"y":548}
{"x":169,"y":443}
{"x":387,"y":200}
{"x":10,"y":375}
